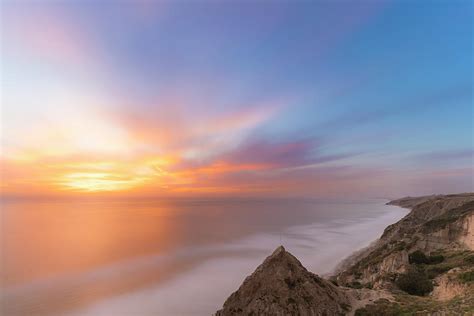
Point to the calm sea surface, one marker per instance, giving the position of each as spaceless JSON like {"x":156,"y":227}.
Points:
{"x":165,"y":257}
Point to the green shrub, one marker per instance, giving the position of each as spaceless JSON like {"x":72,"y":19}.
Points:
{"x":435,"y":259}
{"x":355,"y":285}
{"x":467,"y":276}
{"x":433,"y":272}
{"x":415,"y":282}
{"x":418,"y":257}
{"x":469,"y":259}
{"x":400,"y":246}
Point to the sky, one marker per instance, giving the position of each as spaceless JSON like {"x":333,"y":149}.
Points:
{"x":236,"y":98}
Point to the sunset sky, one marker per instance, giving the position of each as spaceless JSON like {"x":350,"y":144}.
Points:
{"x":261,"y":98}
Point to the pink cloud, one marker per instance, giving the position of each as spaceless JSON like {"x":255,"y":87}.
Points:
{"x":47,"y":33}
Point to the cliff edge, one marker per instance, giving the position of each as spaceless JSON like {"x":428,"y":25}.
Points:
{"x":435,"y":224}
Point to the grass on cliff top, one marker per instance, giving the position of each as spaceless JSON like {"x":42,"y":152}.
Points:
{"x":449,"y":217}
{"x":407,"y":305}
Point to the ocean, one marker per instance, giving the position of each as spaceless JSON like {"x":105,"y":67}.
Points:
{"x":165,"y":257}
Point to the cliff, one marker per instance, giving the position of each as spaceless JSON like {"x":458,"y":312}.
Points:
{"x":435,"y":223}
{"x":423,"y":265}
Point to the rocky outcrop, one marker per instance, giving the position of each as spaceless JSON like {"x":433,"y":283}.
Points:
{"x":434,"y":223}
{"x":359,"y":298}
{"x":449,"y":286}
{"x":282,"y":286}
{"x":467,"y":232}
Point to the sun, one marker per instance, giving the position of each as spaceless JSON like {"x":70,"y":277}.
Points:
{"x":97,"y":182}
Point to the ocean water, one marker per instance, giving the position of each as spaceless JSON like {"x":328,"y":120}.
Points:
{"x":149,"y":257}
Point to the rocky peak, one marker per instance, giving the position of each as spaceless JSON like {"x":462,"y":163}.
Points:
{"x":279,"y":250}
{"x":281,"y":285}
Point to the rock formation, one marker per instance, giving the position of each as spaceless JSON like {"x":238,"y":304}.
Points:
{"x":282,"y":286}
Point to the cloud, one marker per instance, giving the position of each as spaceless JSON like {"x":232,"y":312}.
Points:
{"x":190,"y":127}
{"x":413,"y":105}
{"x":47,"y":33}
{"x":446,"y":156}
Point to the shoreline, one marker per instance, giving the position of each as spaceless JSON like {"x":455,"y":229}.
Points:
{"x":345,"y":227}
{"x":227,"y":272}
{"x":357,"y":254}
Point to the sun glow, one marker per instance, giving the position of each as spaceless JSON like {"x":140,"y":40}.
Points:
{"x":98,"y":182}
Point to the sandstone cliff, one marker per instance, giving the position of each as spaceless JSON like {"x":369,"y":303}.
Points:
{"x":435,"y":223}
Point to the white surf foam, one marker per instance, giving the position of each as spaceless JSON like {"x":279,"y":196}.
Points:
{"x":203,"y":289}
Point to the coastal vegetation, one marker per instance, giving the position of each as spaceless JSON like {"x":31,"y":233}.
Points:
{"x":415,"y":282}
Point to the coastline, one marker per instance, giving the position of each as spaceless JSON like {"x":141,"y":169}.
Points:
{"x":334,"y":231}
{"x":313,"y":244}
{"x":422,"y":262}
{"x":357,"y":254}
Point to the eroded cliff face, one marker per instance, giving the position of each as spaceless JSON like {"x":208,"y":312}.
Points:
{"x":435,"y":223}
{"x":449,"y":286}
{"x":467,"y":232}
{"x":458,"y":234}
